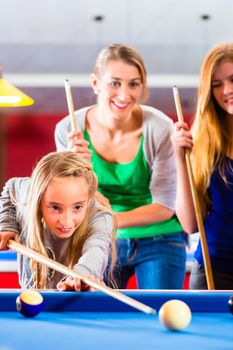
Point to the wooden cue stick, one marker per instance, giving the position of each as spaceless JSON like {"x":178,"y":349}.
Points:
{"x":30,"y":253}
{"x":70,"y":104}
{"x":207,"y":264}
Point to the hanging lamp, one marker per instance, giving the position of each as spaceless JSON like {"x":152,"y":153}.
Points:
{"x":10,"y":96}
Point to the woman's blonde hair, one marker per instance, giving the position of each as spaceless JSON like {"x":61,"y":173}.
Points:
{"x":59,"y":164}
{"x":127,"y":54}
{"x":211,"y":134}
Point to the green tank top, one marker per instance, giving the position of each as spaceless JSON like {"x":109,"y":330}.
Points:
{"x":127,"y":186}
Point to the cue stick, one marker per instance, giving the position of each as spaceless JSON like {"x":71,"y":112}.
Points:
{"x":207,"y":264}
{"x":30,"y":253}
{"x":70,"y":104}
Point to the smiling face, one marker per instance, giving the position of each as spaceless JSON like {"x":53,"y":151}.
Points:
{"x":222,"y":85}
{"x":119,"y":88}
{"x":64,"y":205}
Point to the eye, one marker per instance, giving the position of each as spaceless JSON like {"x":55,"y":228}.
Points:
{"x":54,"y":207}
{"x":215,"y":85}
{"x":135,"y":84}
{"x":78,"y":207}
{"x":115,"y":83}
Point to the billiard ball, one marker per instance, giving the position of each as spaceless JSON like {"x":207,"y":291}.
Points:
{"x":29,"y":303}
{"x":175,"y":315}
{"x":230,"y":303}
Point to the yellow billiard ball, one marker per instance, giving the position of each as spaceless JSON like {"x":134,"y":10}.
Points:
{"x":29,"y":303}
{"x":175,"y":315}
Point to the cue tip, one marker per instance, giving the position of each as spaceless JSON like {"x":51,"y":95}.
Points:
{"x":153,"y":312}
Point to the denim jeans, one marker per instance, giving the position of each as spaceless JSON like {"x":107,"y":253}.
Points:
{"x":158,"y":262}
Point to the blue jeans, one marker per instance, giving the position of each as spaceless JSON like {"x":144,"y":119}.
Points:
{"x":158,"y":262}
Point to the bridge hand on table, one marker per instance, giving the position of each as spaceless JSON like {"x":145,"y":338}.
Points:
{"x":70,"y":284}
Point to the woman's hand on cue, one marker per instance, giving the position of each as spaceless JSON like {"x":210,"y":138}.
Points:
{"x":79,"y":145}
{"x":181,"y":139}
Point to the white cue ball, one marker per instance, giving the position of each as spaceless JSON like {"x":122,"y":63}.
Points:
{"x":175,"y":315}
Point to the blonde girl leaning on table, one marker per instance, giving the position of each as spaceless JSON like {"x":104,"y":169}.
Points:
{"x":130,"y":149}
{"x":56,"y":212}
{"x":211,"y":144}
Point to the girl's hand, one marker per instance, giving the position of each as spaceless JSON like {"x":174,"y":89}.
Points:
{"x":79,"y":145}
{"x":4,"y":238}
{"x":181,"y":139}
{"x":76,"y":284}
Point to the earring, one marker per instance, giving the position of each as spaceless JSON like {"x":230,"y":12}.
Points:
{"x":43,"y":223}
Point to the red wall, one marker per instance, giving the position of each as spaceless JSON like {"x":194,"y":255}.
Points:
{"x":28,"y":139}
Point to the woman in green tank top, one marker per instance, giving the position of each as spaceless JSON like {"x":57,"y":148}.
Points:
{"x":130,"y":149}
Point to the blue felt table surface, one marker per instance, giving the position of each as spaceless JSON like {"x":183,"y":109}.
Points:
{"x":112,"y":331}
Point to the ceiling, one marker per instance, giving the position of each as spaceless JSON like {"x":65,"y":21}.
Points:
{"x":44,"y":42}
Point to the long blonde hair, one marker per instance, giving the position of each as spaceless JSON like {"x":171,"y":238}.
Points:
{"x":59,"y":164}
{"x":127,"y":54}
{"x":211,"y":134}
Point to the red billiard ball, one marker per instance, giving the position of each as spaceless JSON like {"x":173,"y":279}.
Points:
{"x":29,"y":303}
{"x":230,"y":303}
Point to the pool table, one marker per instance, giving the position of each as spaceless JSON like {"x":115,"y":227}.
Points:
{"x":95,"y":321}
